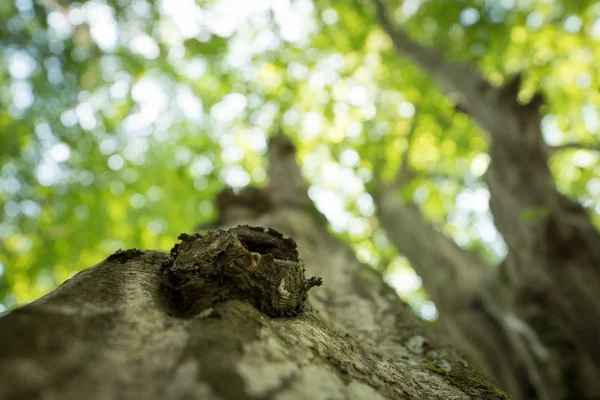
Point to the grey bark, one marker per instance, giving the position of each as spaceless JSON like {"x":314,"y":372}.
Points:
{"x":223,"y":317}
{"x":533,"y":321}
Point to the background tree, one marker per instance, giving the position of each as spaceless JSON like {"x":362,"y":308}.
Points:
{"x":137,"y":106}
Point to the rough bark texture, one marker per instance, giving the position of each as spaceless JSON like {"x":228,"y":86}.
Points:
{"x":532,"y":322}
{"x":222,"y":317}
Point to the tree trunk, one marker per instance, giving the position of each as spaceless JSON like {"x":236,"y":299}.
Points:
{"x":223,"y":317}
{"x":533,"y":321}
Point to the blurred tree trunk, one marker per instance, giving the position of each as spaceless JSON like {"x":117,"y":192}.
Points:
{"x":533,"y":321}
{"x":146,"y":324}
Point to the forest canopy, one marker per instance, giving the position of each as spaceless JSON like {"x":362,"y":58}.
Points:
{"x":121,"y":120}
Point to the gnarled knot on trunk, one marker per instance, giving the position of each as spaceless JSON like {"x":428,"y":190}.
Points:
{"x":247,"y":263}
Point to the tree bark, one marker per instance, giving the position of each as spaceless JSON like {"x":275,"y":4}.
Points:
{"x":223,"y":316}
{"x":533,"y":321}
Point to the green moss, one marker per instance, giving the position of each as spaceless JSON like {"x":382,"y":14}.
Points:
{"x":430,"y":365}
{"x":482,"y":383}
{"x":468,"y":380}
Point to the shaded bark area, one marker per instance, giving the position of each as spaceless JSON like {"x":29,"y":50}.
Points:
{"x":223,"y":317}
{"x":533,"y":321}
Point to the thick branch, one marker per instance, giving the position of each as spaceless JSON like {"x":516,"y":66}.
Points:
{"x":476,"y":300}
{"x":446,"y":269}
{"x":513,"y":129}
{"x":450,"y":76}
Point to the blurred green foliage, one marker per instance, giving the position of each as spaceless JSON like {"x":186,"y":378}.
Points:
{"x":121,"y":119}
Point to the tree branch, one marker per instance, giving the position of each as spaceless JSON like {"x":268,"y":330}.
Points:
{"x":477,"y":97}
{"x":517,"y":146}
{"x":451,"y":77}
{"x":434,"y":256}
{"x":446,"y":269}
